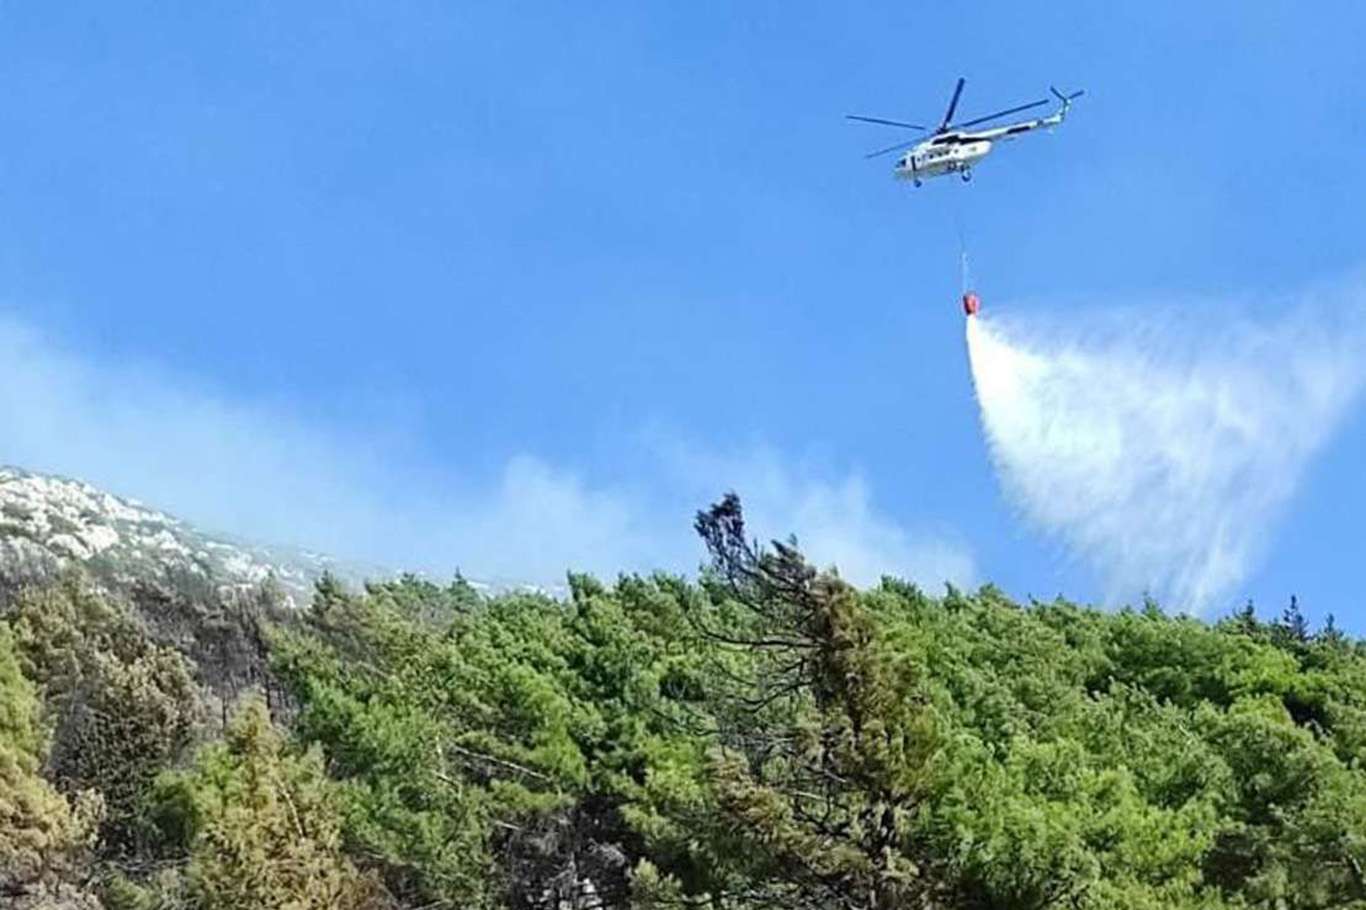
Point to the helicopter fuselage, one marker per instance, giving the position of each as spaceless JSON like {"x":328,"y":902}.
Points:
{"x":947,"y":154}
{"x":956,"y":151}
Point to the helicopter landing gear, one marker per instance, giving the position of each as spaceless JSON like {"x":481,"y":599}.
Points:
{"x":966,"y":175}
{"x":918,"y":182}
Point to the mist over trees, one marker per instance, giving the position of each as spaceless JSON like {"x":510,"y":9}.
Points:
{"x":767,"y":736}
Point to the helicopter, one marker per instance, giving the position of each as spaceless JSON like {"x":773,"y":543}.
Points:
{"x":954,"y":149}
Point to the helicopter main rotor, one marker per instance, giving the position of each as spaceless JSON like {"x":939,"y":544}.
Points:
{"x":946,"y":125}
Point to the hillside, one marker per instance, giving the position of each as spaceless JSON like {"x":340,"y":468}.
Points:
{"x":49,"y":522}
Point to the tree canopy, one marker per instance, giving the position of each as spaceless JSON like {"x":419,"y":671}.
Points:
{"x":763,"y":736}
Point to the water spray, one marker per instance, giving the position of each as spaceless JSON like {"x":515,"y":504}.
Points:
{"x":1160,"y":452}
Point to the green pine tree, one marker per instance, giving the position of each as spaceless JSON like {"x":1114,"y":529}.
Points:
{"x":43,"y":836}
{"x":261,"y":825}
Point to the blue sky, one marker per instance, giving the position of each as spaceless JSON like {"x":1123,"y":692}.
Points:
{"x":632,"y":248}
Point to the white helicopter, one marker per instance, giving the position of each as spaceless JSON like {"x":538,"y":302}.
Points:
{"x":952,"y":148}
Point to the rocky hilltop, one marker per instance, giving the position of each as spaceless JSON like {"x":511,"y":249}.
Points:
{"x":49,"y":522}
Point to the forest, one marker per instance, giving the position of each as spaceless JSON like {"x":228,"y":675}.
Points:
{"x":762,"y":735}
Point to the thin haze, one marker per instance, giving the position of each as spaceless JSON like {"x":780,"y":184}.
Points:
{"x":1162,"y":450}
{"x":256,"y":472}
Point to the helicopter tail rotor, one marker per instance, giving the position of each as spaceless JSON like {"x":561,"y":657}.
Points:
{"x":1066,"y":99}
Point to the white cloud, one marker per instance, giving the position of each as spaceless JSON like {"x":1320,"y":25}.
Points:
{"x":540,"y":521}
{"x":1161,"y":449}
{"x":261,"y":473}
{"x":833,"y":517}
